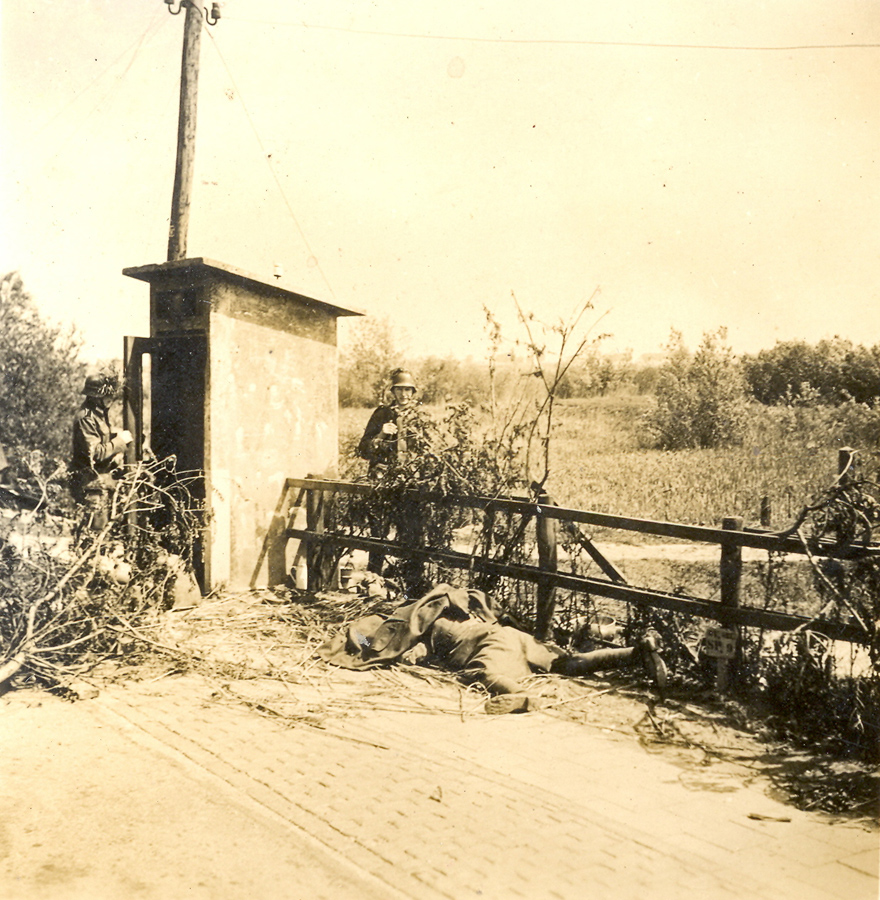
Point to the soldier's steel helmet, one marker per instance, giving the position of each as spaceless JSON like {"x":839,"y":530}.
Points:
{"x":402,"y":378}
{"x":100,"y":386}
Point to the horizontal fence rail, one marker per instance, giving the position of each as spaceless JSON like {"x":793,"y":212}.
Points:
{"x":730,"y":539}
{"x":756,"y":538}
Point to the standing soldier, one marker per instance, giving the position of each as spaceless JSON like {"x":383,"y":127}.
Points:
{"x":384,"y":443}
{"x":97,"y":449}
{"x":381,"y":442}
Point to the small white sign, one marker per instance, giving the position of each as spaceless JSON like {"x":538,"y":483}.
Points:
{"x":719,"y":643}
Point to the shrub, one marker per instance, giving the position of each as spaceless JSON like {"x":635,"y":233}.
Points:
{"x":61,"y":613}
{"x":644,"y":378}
{"x":807,"y":422}
{"x":450,"y":380}
{"x":40,"y":376}
{"x":596,"y":375}
{"x":700,"y":397}
{"x":833,"y":371}
{"x":808,"y":701}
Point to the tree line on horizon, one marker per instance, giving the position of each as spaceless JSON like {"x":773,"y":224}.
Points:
{"x":832,"y":371}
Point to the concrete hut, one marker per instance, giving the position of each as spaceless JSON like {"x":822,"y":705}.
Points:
{"x":243,"y":387}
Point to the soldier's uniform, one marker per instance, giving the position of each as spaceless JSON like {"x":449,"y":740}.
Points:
{"x":382,"y":445}
{"x":378,"y":444}
{"x":97,"y":450}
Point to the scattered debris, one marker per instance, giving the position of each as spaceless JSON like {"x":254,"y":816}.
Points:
{"x":761,"y":818}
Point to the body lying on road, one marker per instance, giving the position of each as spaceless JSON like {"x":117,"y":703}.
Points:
{"x":461,"y":631}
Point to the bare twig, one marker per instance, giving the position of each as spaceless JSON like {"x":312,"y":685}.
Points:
{"x":830,"y":586}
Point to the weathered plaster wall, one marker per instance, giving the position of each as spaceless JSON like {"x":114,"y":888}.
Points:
{"x":272,"y":411}
{"x":260,"y":305}
{"x":270,"y":402}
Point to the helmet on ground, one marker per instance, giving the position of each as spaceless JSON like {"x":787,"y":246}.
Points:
{"x":402,"y":378}
{"x":100,"y":386}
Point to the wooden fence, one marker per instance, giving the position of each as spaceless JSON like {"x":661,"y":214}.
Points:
{"x":316,"y":497}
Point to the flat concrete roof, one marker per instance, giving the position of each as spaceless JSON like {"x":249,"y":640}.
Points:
{"x":199,"y":269}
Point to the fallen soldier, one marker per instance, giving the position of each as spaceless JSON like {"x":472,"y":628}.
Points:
{"x":461,"y":631}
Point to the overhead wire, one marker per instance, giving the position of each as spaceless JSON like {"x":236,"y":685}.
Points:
{"x":577,"y":42}
{"x":117,"y":81}
{"x":135,"y":45}
{"x":268,"y":161}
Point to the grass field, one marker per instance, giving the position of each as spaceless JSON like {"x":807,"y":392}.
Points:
{"x":599,"y":461}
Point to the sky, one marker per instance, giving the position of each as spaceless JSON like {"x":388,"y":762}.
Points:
{"x":702,"y":165}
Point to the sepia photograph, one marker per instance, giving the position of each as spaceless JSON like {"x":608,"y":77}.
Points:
{"x":439,"y":450}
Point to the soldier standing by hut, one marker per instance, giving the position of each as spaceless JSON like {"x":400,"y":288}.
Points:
{"x":97,"y":449}
{"x":385,"y":442}
{"x":382,"y":442}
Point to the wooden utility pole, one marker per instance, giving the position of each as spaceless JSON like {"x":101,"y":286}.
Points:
{"x":186,"y":132}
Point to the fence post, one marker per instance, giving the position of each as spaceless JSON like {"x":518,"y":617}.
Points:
{"x":546,"y":531}
{"x":731,"y":585}
{"x":409,"y":526}
{"x":314,"y":550}
{"x":766,"y":512}
{"x":329,"y":556}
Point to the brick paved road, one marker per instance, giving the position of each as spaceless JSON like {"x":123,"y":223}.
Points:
{"x":92,"y":808}
{"x":504,"y":807}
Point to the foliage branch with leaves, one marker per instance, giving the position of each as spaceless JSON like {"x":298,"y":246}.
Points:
{"x":500,"y":449}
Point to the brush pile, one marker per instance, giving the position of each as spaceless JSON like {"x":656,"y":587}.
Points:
{"x":71,"y":597}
